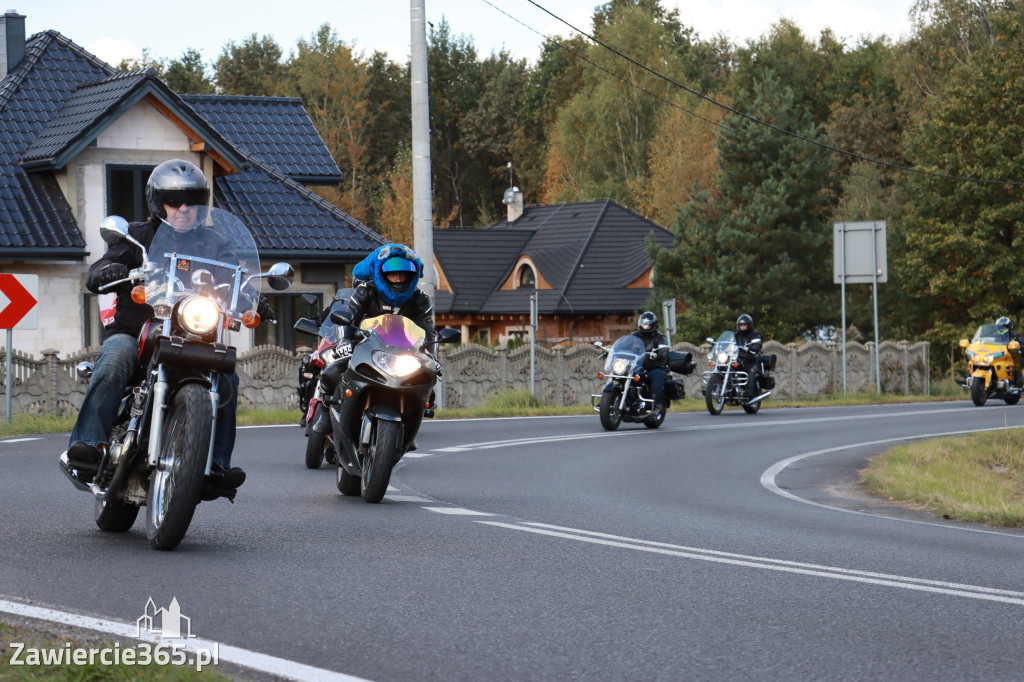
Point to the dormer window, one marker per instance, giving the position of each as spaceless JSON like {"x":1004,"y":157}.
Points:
{"x":526,"y":277}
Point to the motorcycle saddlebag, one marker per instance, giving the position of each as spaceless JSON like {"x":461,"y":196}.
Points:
{"x":680,"y":362}
{"x":675,"y":389}
{"x":768,"y":362}
{"x":202,"y":357}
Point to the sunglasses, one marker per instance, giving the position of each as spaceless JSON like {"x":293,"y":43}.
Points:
{"x":178,"y":199}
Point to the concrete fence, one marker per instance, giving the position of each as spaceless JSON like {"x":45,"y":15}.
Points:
{"x":472,"y":373}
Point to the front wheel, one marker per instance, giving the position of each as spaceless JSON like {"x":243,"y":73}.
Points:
{"x":978,"y":393}
{"x":377,"y":464}
{"x":611,"y":416}
{"x":175,"y":485}
{"x":714,"y":394}
{"x":115,"y":516}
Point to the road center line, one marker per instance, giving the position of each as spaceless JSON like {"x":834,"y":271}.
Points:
{"x":713,"y":556}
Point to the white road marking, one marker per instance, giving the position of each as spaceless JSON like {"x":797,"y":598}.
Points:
{"x":417,"y":455}
{"x":407,"y":498}
{"x":17,"y":440}
{"x":714,"y":556}
{"x":457,"y":511}
{"x":768,"y":477}
{"x":249,"y":659}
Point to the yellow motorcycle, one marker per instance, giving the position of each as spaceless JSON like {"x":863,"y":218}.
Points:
{"x":992,"y":363}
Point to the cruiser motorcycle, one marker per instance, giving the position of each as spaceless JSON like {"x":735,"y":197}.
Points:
{"x":991,"y":365}
{"x":329,"y":348}
{"x":626,"y":396}
{"x":379,"y":401}
{"x":726,"y":382}
{"x":161,"y":444}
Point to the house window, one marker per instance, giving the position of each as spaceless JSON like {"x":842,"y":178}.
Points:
{"x":526,"y":277}
{"x":288,"y":308}
{"x":126,"y":191}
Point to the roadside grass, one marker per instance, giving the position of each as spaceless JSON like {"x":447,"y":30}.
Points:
{"x":44,"y":636}
{"x":979,"y":477}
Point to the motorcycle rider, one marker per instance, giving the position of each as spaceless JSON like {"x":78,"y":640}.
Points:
{"x":387,"y":280}
{"x":175,"y":193}
{"x":1005,"y":326}
{"x":749,"y":341}
{"x":657,"y":366}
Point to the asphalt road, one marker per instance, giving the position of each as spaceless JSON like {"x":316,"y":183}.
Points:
{"x":734,"y":547}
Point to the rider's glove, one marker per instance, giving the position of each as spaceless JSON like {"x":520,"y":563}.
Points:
{"x":110,"y":273}
{"x":264,"y":310}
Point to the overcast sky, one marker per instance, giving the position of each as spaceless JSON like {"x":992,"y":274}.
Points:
{"x":114,"y":29}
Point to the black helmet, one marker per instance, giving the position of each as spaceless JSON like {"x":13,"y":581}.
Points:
{"x":1004,"y":321}
{"x":648,"y":322}
{"x":744,"y":319}
{"x":174,"y":183}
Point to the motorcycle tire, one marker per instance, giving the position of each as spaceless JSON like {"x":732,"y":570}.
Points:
{"x":752,"y":408}
{"x":348,"y":485}
{"x":611,"y":416}
{"x":978,"y":393}
{"x":656,"y":420}
{"x":316,"y":445}
{"x":115,"y":516}
{"x":1012,"y":399}
{"x":175,"y":486}
{"x":379,"y":461}
{"x":714,"y":394}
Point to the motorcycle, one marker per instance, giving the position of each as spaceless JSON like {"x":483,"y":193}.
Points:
{"x":726,"y":382}
{"x":329,"y":333}
{"x":377,"y":405}
{"x":992,"y":363}
{"x":161,"y":444}
{"x":626,"y":396}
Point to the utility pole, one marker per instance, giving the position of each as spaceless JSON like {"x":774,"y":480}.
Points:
{"x":422,"y":222}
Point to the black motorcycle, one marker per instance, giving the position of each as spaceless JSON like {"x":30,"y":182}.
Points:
{"x":626,"y":396}
{"x":727,"y":383}
{"x":161,"y":444}
{"x":329,"y":333}
{"x":379,"y":400}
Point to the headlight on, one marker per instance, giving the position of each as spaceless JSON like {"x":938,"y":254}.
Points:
{"x":198,"y":315}
{"x":619,"y":367}
{"x":988,"y":359}
{"x":395,"y":365}
{"x":723,"y":358}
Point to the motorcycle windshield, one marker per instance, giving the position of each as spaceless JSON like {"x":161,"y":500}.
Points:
{"x":204,"y":251}
{"x":625,"y":355}
{"x":396,"y":331}
{"x":726,"y":344}
{"x":990,"y":333}
{"x":328,"y":330}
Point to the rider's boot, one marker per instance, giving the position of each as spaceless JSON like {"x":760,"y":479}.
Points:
{"x":85,"y":457}
{"x":322,"y":420}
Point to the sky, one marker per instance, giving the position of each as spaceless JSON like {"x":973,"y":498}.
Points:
{"x":116,"y":29}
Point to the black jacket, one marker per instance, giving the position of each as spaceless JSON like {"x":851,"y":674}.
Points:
{"x":129,"y":316}
{"x":752,"y":340}
{"x":652,"y":339}
{"x":366,"y":302}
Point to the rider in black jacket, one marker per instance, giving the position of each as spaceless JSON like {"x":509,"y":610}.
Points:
{"x":749,"y":341}
{"x":1005,"y":324}
{"x":657,"y":367}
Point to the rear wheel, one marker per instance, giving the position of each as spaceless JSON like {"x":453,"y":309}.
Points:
{"x":978,"y":393}
{"x":176,"y":484}
{"x":1012,"y":399}
{"x":714,"y":394}
{"x":377,"y":464}
{"x":611,"y":416}
{"x":348,"y":485}
{"x":115,"y":516}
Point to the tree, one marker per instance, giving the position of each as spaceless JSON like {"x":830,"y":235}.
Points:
{"x":396,"y":213}
{"x":252,"y":68}
{"x":145,"y":62}
{"x":188,"y":74}
{"x":759,"y":242}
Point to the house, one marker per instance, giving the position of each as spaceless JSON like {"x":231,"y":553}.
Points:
{"x":79,"y":139}
{"x":587,"y":263}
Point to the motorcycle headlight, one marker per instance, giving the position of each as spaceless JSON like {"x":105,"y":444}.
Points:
{"x":723,"y":358}
{"x":198,"y":315}
{"x":619,"y":367}
{"x":988,"y":359}
{"x":395,"y":365}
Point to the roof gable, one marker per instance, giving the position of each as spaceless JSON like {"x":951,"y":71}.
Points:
{"x":276,"y":130}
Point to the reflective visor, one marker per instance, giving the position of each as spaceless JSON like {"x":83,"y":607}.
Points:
{"x":398,"y":265}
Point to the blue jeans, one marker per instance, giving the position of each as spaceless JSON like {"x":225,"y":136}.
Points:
{"x":656,"y":382}
{"x":111,"y":374}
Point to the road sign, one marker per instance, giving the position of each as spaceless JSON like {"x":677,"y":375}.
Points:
{"x":18,"y":299}
{"x":859,"y":253}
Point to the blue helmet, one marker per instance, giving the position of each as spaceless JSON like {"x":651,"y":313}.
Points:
{"x":392,"y":259}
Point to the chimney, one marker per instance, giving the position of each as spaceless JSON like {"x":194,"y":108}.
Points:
{"x":514,"y":200}
{"x":12,"y":41}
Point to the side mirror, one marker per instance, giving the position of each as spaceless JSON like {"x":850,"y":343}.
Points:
{"x":963,"y":343}
{"x":664,"y":345}
{"x":280,"y":276}
{"x":341,"y":317}
{"x":114,"y":229}
{"x":709,"y":340}
{"x":84,"y":370}
{"x":307,"y":326}
{"x":449,"y":336}
{"x":599,"y":344}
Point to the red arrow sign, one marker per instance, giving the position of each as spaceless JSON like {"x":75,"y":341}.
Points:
{"x":21,"y":301}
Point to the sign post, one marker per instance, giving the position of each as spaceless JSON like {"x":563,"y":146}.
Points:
{"x":18,"y":297}
{"x":859,"y":257}
{"x":668,"y":314}
{"x":533,"y":343}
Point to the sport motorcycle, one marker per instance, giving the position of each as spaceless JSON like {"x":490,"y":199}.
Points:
{"x":161,"y":445}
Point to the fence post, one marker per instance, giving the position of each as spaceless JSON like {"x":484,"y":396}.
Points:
{"x":50,"y":355}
